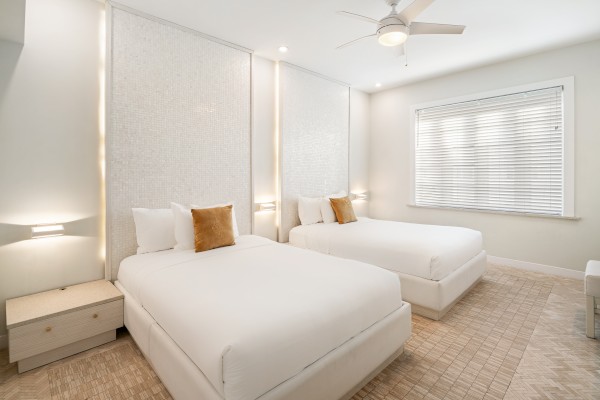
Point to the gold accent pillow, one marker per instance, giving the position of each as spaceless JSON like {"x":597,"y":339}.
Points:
{"x":212,"y":228}
{"x":342,"y":207}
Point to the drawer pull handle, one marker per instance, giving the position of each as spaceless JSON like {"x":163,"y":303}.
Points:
{"x":48,"y":328}
{"x":95,"y":315}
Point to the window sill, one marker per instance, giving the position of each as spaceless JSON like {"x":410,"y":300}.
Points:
{"x":515,"y":214}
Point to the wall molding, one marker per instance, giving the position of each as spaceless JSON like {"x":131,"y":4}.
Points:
{"x":154,"y":18}
{"x":529,"y":266}
{"x":3,"y":341}
{"x":308,"y":71}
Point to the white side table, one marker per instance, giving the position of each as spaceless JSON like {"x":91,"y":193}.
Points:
{"x":48,"y":326}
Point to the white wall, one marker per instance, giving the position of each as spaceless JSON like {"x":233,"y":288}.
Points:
{"x":359,"y":148}
{"x":49,"y":149}
{"x":12,"y":21}
{"x":555,"y":242}
{"x":264,"y":145}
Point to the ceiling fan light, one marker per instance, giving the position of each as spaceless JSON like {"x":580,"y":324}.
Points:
{"x":392,"y":38}
{"x":392,"y":33}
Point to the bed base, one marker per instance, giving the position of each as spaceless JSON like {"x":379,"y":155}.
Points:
{"x":350,"y":394}
{"x":437,"y":315}
{"x":334,"y":376}
{"x":433,"y":299}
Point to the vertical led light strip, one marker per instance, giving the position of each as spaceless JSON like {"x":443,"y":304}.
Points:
{"x":252,"y":133}
{"x":102,"y":56}
{"x":277,"y":151}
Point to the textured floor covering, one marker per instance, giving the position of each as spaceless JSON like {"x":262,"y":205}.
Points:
{"x":115,"y":370}
{"x":516,"y":335}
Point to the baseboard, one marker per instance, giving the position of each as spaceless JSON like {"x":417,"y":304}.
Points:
{"x":3,"y":341}
{"x":529,"y":266}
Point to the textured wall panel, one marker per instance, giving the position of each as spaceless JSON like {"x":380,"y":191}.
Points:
{"x":179,"y":125}
{"x":314,"y":140}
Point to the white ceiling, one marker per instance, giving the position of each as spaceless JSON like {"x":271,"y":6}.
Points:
{"x":496,"y":31}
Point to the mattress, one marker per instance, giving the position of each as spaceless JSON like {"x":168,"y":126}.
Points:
{"x":253,"y":315}
{"x":427,"y":251}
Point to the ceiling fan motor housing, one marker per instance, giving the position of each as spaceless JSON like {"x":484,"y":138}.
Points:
{"x":392,"y":29}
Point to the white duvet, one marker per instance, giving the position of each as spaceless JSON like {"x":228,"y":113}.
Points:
{"x":427,"y":251}
{"x":255,"y":314}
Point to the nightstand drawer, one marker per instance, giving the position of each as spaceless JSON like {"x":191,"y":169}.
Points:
{"x":48,"y":334}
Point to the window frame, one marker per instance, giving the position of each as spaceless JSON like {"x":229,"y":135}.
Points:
{"x":568,"y":84}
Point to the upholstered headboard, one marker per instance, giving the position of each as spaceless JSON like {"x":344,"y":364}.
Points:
{"x":178,"y":124}
{"x":314,"y":136}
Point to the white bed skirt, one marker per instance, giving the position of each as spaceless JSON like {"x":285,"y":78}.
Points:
{"x":433,"y":299}
{"x":337,"y":375}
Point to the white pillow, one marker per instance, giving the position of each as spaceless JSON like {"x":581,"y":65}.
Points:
{"x":326,"y":210}
{"x":154,"y":229}
{"x":184,"y":224}
{"x":309,"y":210}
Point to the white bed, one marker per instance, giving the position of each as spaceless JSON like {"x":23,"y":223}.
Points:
{"x":262,"y":320}
{"x":437,"y":265}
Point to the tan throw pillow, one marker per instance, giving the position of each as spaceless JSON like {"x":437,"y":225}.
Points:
{"x":212,"y":228}
{"x":343,"y":209}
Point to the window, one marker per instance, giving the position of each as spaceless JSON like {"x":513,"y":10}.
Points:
{"x":509,"y":151}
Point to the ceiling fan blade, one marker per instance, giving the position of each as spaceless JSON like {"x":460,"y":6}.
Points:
{"x":414,"y":9}
{"x":358,"y":16}
{"x":355,"y":40}
{"x":425,"y":28}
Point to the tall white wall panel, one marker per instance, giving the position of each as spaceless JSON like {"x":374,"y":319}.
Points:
{"x":179,"y":125}
{"x":314,"y":134}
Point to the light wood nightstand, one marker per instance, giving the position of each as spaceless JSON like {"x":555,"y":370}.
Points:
{"x":48,"y":326}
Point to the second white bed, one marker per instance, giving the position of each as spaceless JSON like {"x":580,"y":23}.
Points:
{"x":436,"y":264}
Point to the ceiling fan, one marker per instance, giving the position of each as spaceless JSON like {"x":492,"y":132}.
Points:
{"x":394,"y":28}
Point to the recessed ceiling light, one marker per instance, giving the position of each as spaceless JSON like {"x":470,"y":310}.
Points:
{"x":283,"y":49}
{"x":378,"y":84}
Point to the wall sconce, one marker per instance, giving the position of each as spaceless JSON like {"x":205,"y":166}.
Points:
{"x":360,"y":196}
{"x":268,"y":206}
{"x":43,"y":231}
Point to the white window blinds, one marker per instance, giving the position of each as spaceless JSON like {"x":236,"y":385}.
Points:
{"x":502,"y":153}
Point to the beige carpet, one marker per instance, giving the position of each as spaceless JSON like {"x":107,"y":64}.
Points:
{"x":113,"y":371}
{"x":516,"y":335}
{"x":119,"y":373}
